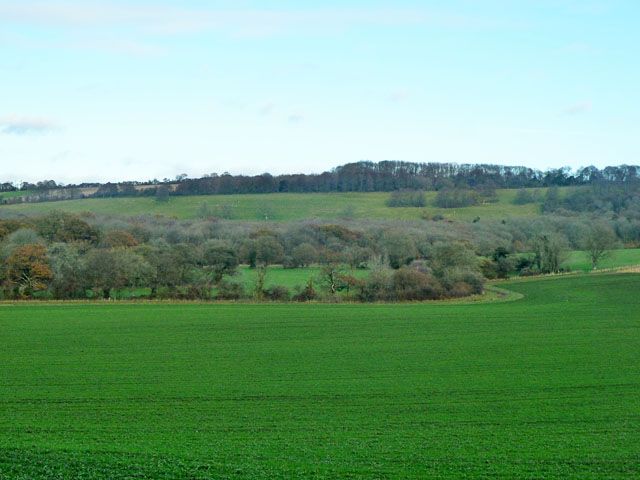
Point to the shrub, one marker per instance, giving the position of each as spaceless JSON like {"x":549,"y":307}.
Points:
{"x":303,"y":255}
{"x":358,"y":257}
{"x":525,"y":196}
{"x":307,"y":294}
{"x":277,"y":293}
{"x":460,"y":282}
{"x":406,"y":198}
{"x":59,"y":226}
{"x":456,"y":198}
{"x":376,"y":287}
{"x":119,"y":238}
{"x":197,"y":291}
{"x":228,"y":290}
{"x":411,"y":284}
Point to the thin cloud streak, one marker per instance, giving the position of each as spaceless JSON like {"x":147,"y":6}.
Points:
{"x":247,"y":22}
{"x":295,"y":118}
{"x":578,"y":108}
{"x":26,"y":126}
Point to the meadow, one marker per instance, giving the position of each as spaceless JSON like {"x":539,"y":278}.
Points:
{"x":281,"y":207}
{"x":19,"y":193}
{"x":297,"y":278}
{"x":579,"y":260}
{"x":541,"y":387}
{"x":291,"y":278}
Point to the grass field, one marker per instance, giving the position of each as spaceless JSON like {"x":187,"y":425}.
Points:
{"x":290,"y":278}
{"x":280,"y":207}
{"x":579,"y":261}
{"x":14,"y":194}
{"x":542,"y":387}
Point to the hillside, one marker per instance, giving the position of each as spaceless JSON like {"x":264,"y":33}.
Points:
{"x":281,"y":207}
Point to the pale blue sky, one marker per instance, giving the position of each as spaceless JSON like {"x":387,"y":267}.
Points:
{"x":115,"y":90}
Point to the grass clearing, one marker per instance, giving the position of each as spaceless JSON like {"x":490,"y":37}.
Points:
{"x":542,"y":387}
{"x":287,"y":277}
{"x":18,"y":193}
{"x":579,"y":261}
{"x":281,"y":207}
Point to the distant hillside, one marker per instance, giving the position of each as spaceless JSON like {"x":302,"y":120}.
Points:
{"x":367,"y":177}
{"x":284,"y":207}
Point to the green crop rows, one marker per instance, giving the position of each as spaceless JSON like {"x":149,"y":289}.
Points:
{"x":547,"y":386}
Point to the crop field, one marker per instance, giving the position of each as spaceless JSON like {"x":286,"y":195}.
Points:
{"x":547,"y":386}
{"x":281,"y":207}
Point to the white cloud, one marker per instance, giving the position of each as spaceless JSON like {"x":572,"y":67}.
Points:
{"x":164,"y":19}
{"x":266,"y":108}
{"x":398,"y":96}
{"x":26,"y":126}
{"x":295,"y":118}
{"x":581,"y":48}
{"x":578,"y":108}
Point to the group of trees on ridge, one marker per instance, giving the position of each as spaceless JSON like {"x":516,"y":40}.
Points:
{"x":365,"y":176}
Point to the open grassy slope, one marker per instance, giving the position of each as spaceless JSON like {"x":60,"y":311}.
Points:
{"x":14,"y":194}
{"x":543,"y":387}
{"x":280,"y":207}
{"x":579,"y":261}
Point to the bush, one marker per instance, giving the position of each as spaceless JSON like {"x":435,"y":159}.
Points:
{"x":307,"y":294}
{"x":411,"y":284}
{"x":489,"y":268}
{"x":197,"y":291}
{"x":277,"y":293}
{"x":525,"y":196}
{"x":462,"y":282}
{"x":460,"y":289}
{"x":302,"y":256}
{"x":376,"y":287}
{"x":499,"y":266}
{"x":228,"y":290}
{"x":456,"y":198}
{"x":119,"y":238}
{"x":406,"y":198}
{"x":358,"y":257}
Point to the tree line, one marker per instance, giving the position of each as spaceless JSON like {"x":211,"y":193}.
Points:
{"x":365,"y":176}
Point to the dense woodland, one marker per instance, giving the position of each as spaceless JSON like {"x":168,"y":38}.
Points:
{"x":66,"y":256}
{"x":383,"y":176}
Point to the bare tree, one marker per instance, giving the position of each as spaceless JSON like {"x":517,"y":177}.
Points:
{"x":599,"y":242}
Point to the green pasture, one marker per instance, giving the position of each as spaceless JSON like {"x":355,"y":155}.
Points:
{"x":276,"y":275}
{"x":542,"y":387}
{"x":280,"y":207}
{"x":19,"y":193}
{"x":287,"y":277}
{"x":579,"y":261}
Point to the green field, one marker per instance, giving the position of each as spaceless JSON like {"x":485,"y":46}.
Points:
{"x":287,"y":277}
{"x":542,"y":387}
{"x":292,"y":278}
{"x":19,"y":193}
{"x":579,"y":261}
{"x":280,"y":207}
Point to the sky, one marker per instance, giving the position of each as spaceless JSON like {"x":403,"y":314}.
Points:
{"x":135,"y":90}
